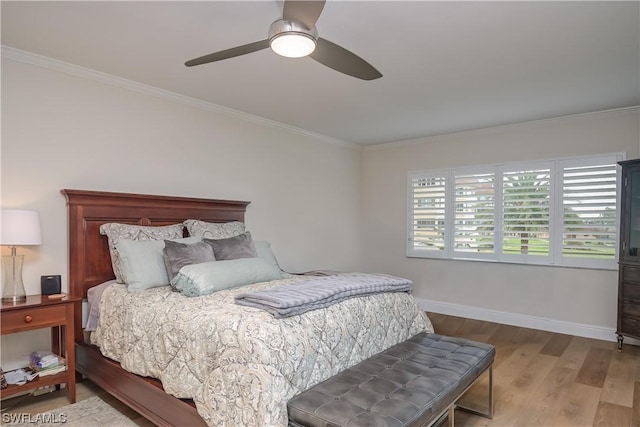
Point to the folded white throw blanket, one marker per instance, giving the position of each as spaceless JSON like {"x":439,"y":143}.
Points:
{"x":321,"y":292}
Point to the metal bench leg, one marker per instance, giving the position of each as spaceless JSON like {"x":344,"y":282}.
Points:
{"x":489,"y":412}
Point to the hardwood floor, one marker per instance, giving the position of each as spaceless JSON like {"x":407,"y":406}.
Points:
{"x":546,"y":379}
{"x":540,"y":379}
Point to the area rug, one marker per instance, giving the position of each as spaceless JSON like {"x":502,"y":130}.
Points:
{"x":91,"y":412}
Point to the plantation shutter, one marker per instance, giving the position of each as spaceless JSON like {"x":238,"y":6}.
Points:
{"x":474,"y":213}
{"x":427,"y":232}
{"x":589,"y":211}
{"x":551,"y":212}
{"x":526,"y":198}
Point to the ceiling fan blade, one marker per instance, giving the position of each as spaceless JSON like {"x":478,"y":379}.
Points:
{"x":229,"y":53}
{"x":306,"y":12}
{"x":340,"y":59}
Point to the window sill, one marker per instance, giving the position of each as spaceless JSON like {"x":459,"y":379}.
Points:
{"x":528,"y":264}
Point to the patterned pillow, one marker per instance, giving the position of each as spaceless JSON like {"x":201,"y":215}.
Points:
{"x":212,"y":230}
{"x":115,"y":231}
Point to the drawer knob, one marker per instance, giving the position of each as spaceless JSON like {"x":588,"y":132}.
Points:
{"x":28,"y":319}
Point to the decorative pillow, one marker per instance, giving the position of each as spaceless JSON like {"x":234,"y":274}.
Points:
{"x":240,"y":246}
{"x":214,"y":230}
{"x":264,"y":251}
{"x":177,"y":255}
{"x":142,"y":264}
{"x":203,"y":279}
{"x":115,"y":231}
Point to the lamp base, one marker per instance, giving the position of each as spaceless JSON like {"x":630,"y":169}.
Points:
{"x":14,"y":299}
{"x":13,"y":288}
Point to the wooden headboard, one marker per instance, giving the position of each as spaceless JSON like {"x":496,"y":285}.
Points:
{"x":89,"y":259}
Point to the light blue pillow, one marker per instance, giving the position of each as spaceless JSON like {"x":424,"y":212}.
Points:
{"x":142,"y":262}
{"x":263,"y":248}
{"x":202,"y":279}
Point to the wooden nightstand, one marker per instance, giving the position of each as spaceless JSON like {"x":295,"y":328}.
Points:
{"x":37,"y":312}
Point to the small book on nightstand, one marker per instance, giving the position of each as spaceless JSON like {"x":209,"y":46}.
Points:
{"x":46,"y":363}
{"x":51,"y":371}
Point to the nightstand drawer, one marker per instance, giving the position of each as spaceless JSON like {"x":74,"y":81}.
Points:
{"x":33,"y":318}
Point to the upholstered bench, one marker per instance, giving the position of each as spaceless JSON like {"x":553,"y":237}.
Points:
{"x":414,"y":383}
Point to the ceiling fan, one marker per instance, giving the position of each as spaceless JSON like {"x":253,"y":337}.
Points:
{"x":295,"y":36}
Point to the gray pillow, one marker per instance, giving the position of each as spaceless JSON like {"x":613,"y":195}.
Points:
{"x":177,"y":255}
{"x":240,"y":246}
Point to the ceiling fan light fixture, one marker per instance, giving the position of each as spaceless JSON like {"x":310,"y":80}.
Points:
{"x":293,"y":44}
{"x":292,"y":39}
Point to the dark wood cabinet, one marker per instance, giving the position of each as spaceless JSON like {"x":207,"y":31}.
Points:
{"x":629,"y":260}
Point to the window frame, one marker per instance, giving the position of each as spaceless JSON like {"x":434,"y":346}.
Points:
{"x":556,"y":256}
{"x":474,"y":170}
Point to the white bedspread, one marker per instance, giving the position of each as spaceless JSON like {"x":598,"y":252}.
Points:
{"x":240,"y":364}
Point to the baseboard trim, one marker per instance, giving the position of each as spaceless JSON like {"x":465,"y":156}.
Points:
{"x":522,"y":320}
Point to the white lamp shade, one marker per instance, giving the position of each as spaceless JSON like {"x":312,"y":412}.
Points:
{"x":20,"y":227}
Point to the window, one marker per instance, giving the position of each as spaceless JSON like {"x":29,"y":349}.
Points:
{"x":589,"y":216}
{"x":474,"y":213}
{"x":526,"y":213}
{"x":556,"y":212}
{"x":428,"y":213}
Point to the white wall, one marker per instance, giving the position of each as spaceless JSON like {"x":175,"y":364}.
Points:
{"x":62,"y":131}
{"x":564,"y":295}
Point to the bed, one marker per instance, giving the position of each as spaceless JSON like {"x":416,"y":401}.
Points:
{"x":238,"y":389}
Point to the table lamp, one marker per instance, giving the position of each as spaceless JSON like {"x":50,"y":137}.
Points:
{"x":18,"y":228}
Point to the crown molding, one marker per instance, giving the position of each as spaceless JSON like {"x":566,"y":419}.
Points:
{"x":91,"y":74}
{"x":503,"y":128}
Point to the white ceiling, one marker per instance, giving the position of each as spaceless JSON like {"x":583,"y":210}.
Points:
{"x":447,"y":66}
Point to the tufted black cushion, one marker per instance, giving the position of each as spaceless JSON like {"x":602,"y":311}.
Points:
{"x":411,"y":383}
